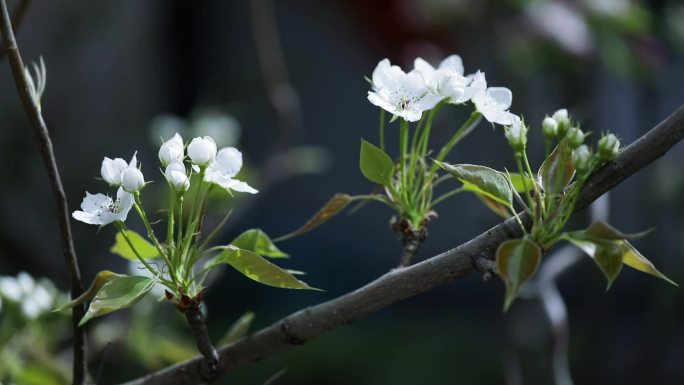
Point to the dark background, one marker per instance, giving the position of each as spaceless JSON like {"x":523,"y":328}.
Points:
{"x":115,"y":66}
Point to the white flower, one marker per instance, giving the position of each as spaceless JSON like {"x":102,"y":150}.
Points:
{"x":447,"y":79}
{"x":171,"y":150}
{"x":561,"y":116}
{"x":112,"y":169}
{"x":404,"y":95}
{"x":100,"y":209}
{"x":132,"y":180}
{"x":10,"y":289}
{"x":202,"y":151}
{"x":176,"y":176}
{"x":492,"y":102}
{"x":227,"y":164}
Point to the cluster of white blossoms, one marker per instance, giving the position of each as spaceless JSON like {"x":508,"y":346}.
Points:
{"x":216,"y":166}
{"x":34,"y":298}
{"x":407,"y":95}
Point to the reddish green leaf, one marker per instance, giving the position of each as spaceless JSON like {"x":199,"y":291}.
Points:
{"x":557,"y":170}
{"x":516,"y":262}
{"x":333,"y":207}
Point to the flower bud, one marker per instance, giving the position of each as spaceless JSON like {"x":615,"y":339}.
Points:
{"x":171,"y":150}
{"x":608,"y":147}
{"x":581,"y":157}
{"x":176,"y":176}
{"x":112,"y":169}
{"x":132,"y":180}
{"x":516,"y":134}
{"x":202,"y":151}
{"x":575,"y":137}
{"x":561,"y":117}
{"x":550,"y":127}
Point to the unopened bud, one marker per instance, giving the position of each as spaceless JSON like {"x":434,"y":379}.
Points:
{"x":581,"y":157}
{"x":608,"y":147}
{"x":132,"y":180}
{"x":516,"y":134}
{"x":561,"y":117}
{"x":550,"y":127}
{"x":575,"y":137}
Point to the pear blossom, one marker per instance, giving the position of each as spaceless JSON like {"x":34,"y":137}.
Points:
{"x":492,"y":102}
{"x":223,"y":169}
{"x":33,"y":297}
{"x":176,"y":176}
{"x":516,"y":134}
{"x":404,"y":95}
{"x":447,"y":79}
{"x":100,"y":209}
{"x":132,"y":180}
{"x":112,"y":169}
{"x":202,"y":151}
{"x":171,"y":150}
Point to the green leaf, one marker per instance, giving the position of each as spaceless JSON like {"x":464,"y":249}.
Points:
{"x":333,"y":207}
{"x":238,"y":329}
{"x":375,"y":165}
{"x":482,"y":180}
{"x":258,"y":242}
{"x":606,"y":253}
{"x":634,"y":259}
{"x":144,"y":248}
{"x":521,"y":183}
{"x":120,"y":293}
{"x":557,"y":170}
{"x":257,"y":268}
{"x":516,"y":262}
{"x":100,"y":280}
{"x":603,"y":230}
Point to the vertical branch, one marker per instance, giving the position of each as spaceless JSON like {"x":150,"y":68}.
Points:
{"x":17,"y":18}
{"x":45,"y":144}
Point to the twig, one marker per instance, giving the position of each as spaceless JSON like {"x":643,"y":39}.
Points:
{"x":45,"y":144}
{"x":17,"y":18}
{"x":399,"y":284}
{"x":195,"y":319}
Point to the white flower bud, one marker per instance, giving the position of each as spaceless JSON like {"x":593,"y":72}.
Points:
{"x":581,"y":158}
{"x":202,"y":151}
{"x":112,"y":169}
{"x":608,"y":147}
{"x":561,"y":117}
{"x":171,"y":150}
{"x":550,"y":127}
{"x":132,"y":180}
{"x":516,"y":134}
{"x":176,"y":176}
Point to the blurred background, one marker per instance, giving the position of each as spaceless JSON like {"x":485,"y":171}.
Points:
{"x":283,"y":81}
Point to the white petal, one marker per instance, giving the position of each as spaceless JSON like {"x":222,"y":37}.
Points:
{"x":415,"y":84}
{"x":428,"y":101}
{"x":241,"y":186}
{"x":376,"y":99}
{"x":95,"y":202}
{"x":502,"y":96}
{"x":87,"y":217}
{"x":453,"y":63}
{"x":229,"y":161}
{"x":377,"y":78}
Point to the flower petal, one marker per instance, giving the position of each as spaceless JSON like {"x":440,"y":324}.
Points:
{"x":502,"y":96}
{"x":452,"y":63}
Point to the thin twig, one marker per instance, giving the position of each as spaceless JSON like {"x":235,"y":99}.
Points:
{"x":17,"y":18}
{"x":399,"y":284}
{"x":45,"y":144}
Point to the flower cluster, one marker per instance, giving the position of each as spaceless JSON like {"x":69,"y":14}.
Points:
{"x":408,"y":95}
{"x":215,"y":166}
{"x":34,"y":298}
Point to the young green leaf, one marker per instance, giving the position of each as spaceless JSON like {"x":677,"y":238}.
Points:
{"x":516,"y":262}
{"x":238,"y":329}
{"x":634,"y":259}
{"x":603,"y":230}
{"x":495,"y":206}
{"x":119,"y":293}
{"x":482,"y":180}
{"x":100,"y":280}
{"x":557,"y":170}
{"x":375,"y":165}
{"x":606,"y":253}
{"x":333,"y":207}
{"x":257,"y":268}
{"x":258,"y":242}
{"x":521,"y":183}
{"x":144,"y":248}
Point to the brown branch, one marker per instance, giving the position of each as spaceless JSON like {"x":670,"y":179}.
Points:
{"x":399,"y":284}
{"x":45,"y":144}
{"x":17,"y":18}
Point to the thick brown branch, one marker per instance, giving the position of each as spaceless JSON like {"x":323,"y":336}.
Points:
{"x":45,"y":144}
{"x":399,"y":284}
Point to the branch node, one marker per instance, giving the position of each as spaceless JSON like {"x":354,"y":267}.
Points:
{"x":487,"y":266}
{"x":290,"y":337}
